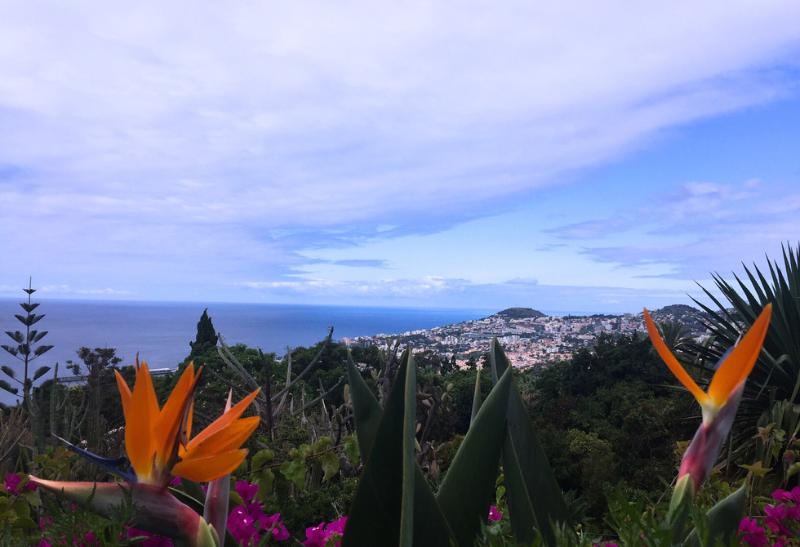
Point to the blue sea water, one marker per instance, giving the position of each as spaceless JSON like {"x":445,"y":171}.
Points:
{"x":160,"y":331}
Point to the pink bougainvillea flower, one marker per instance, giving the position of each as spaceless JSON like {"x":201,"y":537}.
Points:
{"x":12,"y":484}
{"x":326,"y":535}
{"x":752,"y":534}
{"x":316,"y":536}
{"x":494,"y":514}
{"x":720,"y":402}
{"x":248,"y":524}
{"x":337,"y":526}
{"x":247,"y":491}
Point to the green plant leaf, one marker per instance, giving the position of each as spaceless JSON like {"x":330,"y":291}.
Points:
{"x":534,"y":497}
{"x":366,"y":409}
{"x":351,"y":449}
{"x":295,"y":471}
{"x":723,"y":520}
{"x":409,"y":445}
{"x":374,"y":517}
{"x":260,"y":459}
{"x":330,"y":465}
{"x":469,"y":486}
{"x":476,"y":397}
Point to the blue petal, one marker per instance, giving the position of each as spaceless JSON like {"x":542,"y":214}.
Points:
{"x":116,"y":466}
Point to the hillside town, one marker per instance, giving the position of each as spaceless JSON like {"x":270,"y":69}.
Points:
{"x":529,"y":337}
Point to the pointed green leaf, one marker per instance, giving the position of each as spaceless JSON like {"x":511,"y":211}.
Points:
{"x":409,"y":461}
{"x":366,"y":409}
{"x":468,"y":487}
{"x":375,"y":514}
{"x":534,"y":497}
{"x":9,"y":371}
{"x":476,"y":397}
{"x":723,"y":520}
{"x":16,"y":336}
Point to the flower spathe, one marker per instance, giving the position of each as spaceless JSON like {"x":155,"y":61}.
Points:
{"x":720,"y":402}
{"x":156,"y":438}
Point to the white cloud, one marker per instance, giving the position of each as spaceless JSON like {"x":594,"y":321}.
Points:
{"x":183,"y":138}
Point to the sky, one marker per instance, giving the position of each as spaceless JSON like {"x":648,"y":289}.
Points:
{"x":565,"y":156}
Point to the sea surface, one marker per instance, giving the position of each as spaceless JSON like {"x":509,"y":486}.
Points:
{"x":160,"y":331}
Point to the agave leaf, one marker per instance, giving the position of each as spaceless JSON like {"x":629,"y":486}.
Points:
{"x":468,"y":487}
{"x":723,"y":520}
{"x":476,"y":397}
{"x":365,"y":407}
{"x":534,"y":497}
{"x":409,"y":445}
{"x":375,"y":515}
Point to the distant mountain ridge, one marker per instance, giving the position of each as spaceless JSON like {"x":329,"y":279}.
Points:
{"x":520,"y":313}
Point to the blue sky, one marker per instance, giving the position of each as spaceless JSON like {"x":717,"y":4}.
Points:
{"x":425,"y":154}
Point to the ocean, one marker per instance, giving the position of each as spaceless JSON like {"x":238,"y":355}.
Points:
{"x":160,"y":331}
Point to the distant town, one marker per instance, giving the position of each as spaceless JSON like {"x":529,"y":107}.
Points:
{"x":529,"y":337}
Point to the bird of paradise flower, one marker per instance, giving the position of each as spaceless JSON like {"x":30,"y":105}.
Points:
{"x":160,"y":446}
{"x":718,"y":405}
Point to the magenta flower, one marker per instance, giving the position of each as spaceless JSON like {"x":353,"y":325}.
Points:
{"x":751,"y":533}
{"x":247,"y":491}
{"x":12,"y":484}
{"x":316,"y":536}
{"x":325,"y":535}
{"x":494,"y":514}
{"x":337,"y":526}
{"x":248,"y":523}
{"x":153,"y":540}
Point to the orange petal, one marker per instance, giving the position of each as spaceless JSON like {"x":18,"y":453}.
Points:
{"x":226,"y":439}
{"x":740,"y":362}
{"x":124,"y":393}
{"x":223,"y":421}
{"x":211,"y":467}
{"x":172,"y":415}
{"x":139,"y":427}
{"x":672,"y":363}
{"x":150,"y":391}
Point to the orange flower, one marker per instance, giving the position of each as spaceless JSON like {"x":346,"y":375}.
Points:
{"x":156,"y":439}
{"x":719,"y":404}
{"x":732,"y":370}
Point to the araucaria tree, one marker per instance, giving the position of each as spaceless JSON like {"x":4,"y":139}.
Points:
{"x":26,"y":350}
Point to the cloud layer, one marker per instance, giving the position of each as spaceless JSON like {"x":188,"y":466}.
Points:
{"x":190,"y":146}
